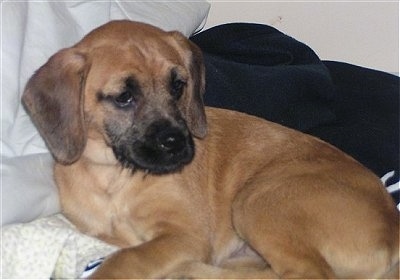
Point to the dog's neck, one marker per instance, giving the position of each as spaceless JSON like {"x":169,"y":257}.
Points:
{"x":99,"y":163}
{"x":98,"y":152}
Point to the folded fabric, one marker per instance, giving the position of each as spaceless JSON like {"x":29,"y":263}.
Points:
{"x":366,"y":106}
{"x":259,"y":70}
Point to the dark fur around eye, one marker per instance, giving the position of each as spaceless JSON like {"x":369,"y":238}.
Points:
{"x":129,"y":95}
{"x":177,"y":85}
{"x":126,"y":98}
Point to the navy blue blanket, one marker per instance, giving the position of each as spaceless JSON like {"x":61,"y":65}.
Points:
{"x":257,"y":69}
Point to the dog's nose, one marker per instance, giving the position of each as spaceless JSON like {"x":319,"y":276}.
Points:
{"x":171,"y":140}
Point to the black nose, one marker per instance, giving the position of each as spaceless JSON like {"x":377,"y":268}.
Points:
{"x":171,"y":140}
{"x":164,"y":147}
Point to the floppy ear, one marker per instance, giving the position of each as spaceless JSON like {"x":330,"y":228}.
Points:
{"x":191,"y":104}
{"x":53,"y":97}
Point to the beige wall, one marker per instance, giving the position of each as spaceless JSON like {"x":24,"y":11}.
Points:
{"x":365,"y":33}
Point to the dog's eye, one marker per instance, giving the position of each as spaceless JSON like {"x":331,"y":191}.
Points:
{"x":124,"y":99}
{"x":177,"y":88}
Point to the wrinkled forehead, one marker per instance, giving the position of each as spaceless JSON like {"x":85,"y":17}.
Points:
{"x":140,"y":39}
{"x":136,"y":55}
{"x":112,"y":65}
{"x":122,"y":49}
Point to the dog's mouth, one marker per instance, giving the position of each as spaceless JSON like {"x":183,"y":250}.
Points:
{"x":163,"y":149}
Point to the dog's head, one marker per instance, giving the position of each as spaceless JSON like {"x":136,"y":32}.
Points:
{"x":135,"y":88}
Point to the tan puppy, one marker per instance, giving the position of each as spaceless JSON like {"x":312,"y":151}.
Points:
{"x":137,"y":165}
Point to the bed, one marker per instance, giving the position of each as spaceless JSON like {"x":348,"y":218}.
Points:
{"x":251,"y":68}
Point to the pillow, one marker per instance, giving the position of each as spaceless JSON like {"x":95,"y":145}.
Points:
{"x":31,"y":33}
{"x":28,"y":188}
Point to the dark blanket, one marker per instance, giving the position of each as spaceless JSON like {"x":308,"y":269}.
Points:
{"x":259,"y":70}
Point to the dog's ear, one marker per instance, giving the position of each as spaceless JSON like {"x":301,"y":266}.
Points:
{"x":192,"y":105}
{"x":53,"y":97}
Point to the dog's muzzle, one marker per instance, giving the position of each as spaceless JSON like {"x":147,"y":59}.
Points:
{"x":163,"y":148}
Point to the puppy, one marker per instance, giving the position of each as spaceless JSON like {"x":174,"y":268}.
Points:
{"x":188,"y":191}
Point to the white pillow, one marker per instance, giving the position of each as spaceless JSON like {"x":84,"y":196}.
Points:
{"x":32,"y":32}
{"x":28,"y":188}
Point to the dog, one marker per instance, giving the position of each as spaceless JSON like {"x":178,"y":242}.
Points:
{"x":189,"y":191}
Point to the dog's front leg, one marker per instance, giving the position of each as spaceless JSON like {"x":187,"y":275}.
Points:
{"x":154,"y":259}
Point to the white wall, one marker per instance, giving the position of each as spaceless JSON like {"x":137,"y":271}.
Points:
{"x":365,"y":33}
